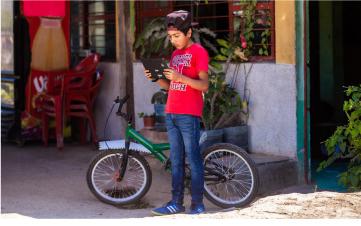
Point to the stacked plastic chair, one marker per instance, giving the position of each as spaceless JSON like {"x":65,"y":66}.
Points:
{"x":72,"y":95}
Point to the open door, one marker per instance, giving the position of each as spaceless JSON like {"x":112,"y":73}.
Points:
{"x":334,"y":59}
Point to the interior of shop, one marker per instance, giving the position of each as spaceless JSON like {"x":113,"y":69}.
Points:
{"x":334,"y":38}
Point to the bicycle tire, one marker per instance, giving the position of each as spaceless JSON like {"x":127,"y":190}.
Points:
{"x":231,"y":176}
{"x":106,"y":165}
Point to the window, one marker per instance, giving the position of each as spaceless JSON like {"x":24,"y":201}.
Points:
{"x":263,"y":29}
{"x":213,"y":15}
{"x":7,"y":37}
{"x":148,"y":10}
{"x":93,"y":29}
{"x":219,"y":16}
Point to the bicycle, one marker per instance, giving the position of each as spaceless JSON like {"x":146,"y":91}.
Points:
{"x":120,"y":175}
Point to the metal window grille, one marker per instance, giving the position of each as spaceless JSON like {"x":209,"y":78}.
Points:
{"x":217,"y":16}
{"x":93,"y":28}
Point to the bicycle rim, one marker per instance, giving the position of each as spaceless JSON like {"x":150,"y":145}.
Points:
{"x":237,"y":184}
{"x":104,"y":178}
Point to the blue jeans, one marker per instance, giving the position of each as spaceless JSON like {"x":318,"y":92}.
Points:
{"x":183,"y":136}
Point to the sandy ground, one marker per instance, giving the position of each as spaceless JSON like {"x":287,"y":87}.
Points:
{"x":317,"y":205}
{"x":43,"y":183}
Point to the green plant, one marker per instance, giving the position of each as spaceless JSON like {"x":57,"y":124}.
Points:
{"x":153,"y":40}
{"x":159,"y":97}
{"x":223,"y":105}
{"x":143,"y":115}
{"x":346,"y":141}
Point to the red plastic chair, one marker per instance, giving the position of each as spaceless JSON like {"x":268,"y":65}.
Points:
{"x":49,"y":102}
{"x":79,"y":103}
{"x":52,"y":103}
{"x":88,"y":63}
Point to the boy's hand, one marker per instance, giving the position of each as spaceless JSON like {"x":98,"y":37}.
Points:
{"x":172,"y":75}
{"x":147,"y":74}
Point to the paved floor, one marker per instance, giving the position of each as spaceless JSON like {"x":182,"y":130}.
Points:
{"x":40,"y":182}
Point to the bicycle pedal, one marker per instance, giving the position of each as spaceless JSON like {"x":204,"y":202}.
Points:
{"x":167,"y":164}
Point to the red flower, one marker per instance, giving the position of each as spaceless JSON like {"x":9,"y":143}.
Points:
{"x":243,"y":41}
{"x":244,"y":45}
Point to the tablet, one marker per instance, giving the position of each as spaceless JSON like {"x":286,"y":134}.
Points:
{"x":156,"y":67}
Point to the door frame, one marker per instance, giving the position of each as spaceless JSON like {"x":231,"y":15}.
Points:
{"x":303,"y":97}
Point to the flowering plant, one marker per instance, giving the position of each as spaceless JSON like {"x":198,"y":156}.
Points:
{"x":224,"y":106}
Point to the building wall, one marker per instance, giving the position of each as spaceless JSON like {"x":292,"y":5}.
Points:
{"x":143,"y":92}
{"x":285,"y":32}
{"x":112,"y":86}
{"x":272,"y":86}
{"x":272,"y":121}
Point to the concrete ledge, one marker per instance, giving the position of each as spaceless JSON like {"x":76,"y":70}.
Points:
{"x":275,"y":172}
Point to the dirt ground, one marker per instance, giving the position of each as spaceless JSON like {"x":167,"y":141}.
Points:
{"x":316,"y":205}
{"x":43,"y":183}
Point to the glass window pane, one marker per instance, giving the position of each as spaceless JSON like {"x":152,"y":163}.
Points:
{"x":97,"y":31}
{"x":7,"y":92}
{"x":7,"y":36}
{"x":96,"y":7}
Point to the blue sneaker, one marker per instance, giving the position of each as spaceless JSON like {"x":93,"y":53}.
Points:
{"x":169,"y":208}
{"x":197,"y":209}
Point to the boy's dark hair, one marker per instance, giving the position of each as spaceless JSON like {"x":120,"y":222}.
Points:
{"x":181,"y":19}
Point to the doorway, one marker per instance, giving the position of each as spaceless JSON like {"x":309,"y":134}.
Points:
{"x":335,"y":46}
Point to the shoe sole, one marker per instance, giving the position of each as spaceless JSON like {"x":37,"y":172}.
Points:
{"x":197,"y":213}
{"x":164,"y":214}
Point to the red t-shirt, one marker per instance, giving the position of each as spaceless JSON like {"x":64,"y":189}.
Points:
{"x":182,"y":98}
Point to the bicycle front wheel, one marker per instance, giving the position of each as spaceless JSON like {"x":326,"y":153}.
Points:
{"x":104,"y":181}
{"x":230,"y":177}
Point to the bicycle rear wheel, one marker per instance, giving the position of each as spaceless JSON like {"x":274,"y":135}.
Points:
{"x":230,"y":177}
{"x":103,"y":177}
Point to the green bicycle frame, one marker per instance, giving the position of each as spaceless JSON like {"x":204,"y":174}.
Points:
{"x":155,"y":149}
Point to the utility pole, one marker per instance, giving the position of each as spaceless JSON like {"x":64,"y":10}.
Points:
{"x":126,"y":54}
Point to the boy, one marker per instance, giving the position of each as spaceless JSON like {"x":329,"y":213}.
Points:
{"x":188,"y":78}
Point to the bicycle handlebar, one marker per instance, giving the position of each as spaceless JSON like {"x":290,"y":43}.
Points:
{"x":121,"y":103}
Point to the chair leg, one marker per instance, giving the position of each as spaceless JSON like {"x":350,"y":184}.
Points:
{"x":93,"y":129}
{"x":82,"y":128}
{"x":59,"y":123}
{"x":45,"y":128}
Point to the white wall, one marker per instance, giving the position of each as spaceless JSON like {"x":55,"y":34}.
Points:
{"x":143,"y":92}
{"x":113,"y":85}
{"x":272,"y":119}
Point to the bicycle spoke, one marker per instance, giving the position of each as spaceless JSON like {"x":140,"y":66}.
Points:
{"x":235,"y":179}
{"x":106,"y":174}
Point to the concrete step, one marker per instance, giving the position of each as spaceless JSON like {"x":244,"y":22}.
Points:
{"x":275,"y":172}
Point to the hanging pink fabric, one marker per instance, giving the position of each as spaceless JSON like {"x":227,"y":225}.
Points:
{"x":44,"y":8}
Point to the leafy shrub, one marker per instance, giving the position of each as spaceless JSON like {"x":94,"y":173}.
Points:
{"x":345,"y":143}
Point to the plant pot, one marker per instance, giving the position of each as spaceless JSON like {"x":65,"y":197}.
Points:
{"x":210,"y":137}
{"x":149,"y":122}
{"x":237,"y":135}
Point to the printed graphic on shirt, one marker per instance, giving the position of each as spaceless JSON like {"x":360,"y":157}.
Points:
{"x":178,"y":86}
{"x":178,"y":63}
{"x":181,"y":61}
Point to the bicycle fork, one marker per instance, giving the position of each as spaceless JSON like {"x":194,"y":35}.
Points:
{"x":124,"y":163}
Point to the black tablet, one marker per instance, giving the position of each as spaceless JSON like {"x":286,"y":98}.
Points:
{"x":156,"y":67}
